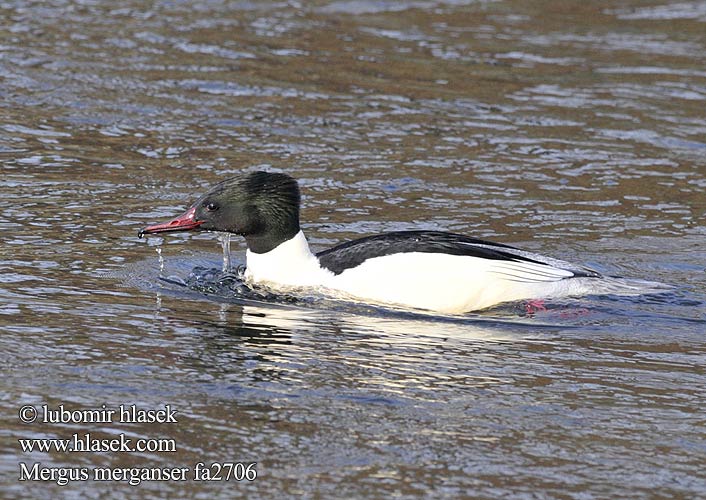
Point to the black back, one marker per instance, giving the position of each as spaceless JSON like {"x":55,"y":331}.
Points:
{"x":354,"y":253}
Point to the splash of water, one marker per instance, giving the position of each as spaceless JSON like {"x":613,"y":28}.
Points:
{"x":225,"y":243}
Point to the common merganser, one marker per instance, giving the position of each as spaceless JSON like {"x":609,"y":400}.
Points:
{"x":432,"y":270}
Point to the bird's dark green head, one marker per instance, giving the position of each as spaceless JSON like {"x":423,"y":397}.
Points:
{"x":261,"y":206}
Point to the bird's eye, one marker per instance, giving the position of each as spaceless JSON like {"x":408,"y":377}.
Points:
{"x":211,"y":207}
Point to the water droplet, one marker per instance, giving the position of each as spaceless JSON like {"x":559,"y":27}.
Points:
{"x":161,"y":261}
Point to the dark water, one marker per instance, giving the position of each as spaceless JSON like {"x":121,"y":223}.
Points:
{"x":575,"y":129}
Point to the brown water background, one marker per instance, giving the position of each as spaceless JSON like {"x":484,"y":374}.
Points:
{"x":576,"y":129}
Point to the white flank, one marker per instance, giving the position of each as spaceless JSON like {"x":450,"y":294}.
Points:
{"x":449,"y":283}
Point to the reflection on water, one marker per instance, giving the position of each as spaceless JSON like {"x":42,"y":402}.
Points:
{"x":573,"y":129}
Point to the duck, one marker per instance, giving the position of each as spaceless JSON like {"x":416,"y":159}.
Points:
{"x":433,"y":271}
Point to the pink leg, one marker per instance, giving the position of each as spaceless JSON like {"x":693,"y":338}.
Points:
{"x":534,"y":306}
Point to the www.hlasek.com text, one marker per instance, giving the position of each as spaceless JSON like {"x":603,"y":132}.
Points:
{"x":86,"y":443}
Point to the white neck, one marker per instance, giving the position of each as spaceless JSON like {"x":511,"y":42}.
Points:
{"x":291,"y":263}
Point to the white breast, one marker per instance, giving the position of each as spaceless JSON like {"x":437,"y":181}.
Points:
{"x":290,"y":264}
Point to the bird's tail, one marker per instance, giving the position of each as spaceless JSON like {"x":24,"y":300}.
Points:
{"x":616,"y":285}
